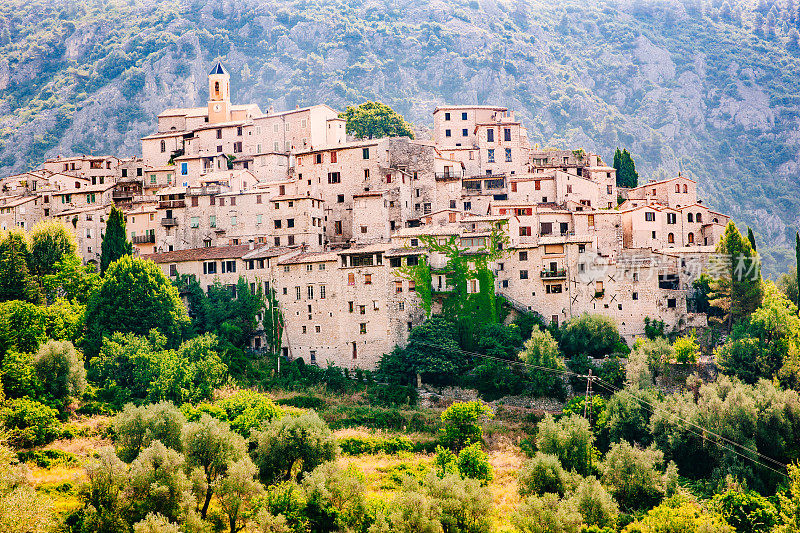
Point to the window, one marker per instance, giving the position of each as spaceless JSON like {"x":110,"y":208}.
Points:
{"x":490,"y":135}
{"x":228,"y":266}
{"x":467,"y":206}
{"x":690,"y":238}
{"x":258,"y":219}
{"x":365,"y":155}
{"x":649,"y":216}
{"x":350,"y":306}
{"x":219,"y":134}
{"x":553,"y":289}
{"x":414,"y":243}
{"x":289,"y":222}
{"x":219,"y":148}
{"x":490,"y":155}
{"x":464,"y":132}
{"x":690,"y":217}
{"x":507,"y":134}
{"x":322,"y":292}
{"x":464,"y":115}
{"x":447,"y":116}
{"x":363,"y":229}
{"x":212,"y":221}
{"x":672,"y":218}
{"x":523,"y":274}
{"x":184,"y":169}
{"x":447,"y":133}
{"x":546,"y":228}
{"x":210,"y":267}
{"x":310,"y":290}
{"x":634,"y":295}
{"x":351,"y":279}
{"x":362,"y":309}
{"x":362,"y":329}
{"x":334,"y":177}
{"x":337,"y":227}
{"x":698,"y":217}
{"x":523,"y":256}
{"x":672,"y":303}
{"x":194,"y":222}
{"x":367,"y":279}
{"x":525,"y":231}
{"x":609,"y":189}
{"x":234,"y":220}
{"x":278,"y":223}
{"x":671,"y":238}
{"x":398,"y":287}
{"x":508,"y":155}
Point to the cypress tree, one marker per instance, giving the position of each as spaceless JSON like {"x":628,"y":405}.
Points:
{"x":16,"y":281}
{"x":115,"y":241}
{"x":751,"y":237}
{"x":618,"y":166}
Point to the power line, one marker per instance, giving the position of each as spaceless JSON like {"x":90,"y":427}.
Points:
{"x":612,"y":388}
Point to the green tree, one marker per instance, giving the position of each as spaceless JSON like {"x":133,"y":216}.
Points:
{"x":29,"y":423}
{"x":473,"y":463}
{"x":546,"y":514}
{"x":157,"y":483}
{"x":212,"y":447}
{"x":633,"y":476}
{"x":542,"y":474}
{"x":433,"y":350}
{"x":751,"y":238}
{"x":747,"y":512}
{"x":51,"y":243}
{"x":22,"y":508}
{"x":463,"y":424}
{"x":59,"y":367}
{"x":237,"y":492}
{"x":156,"y":523}
{"x":105,"y":507}
{"x":290,"y":446}
{"x":374,"y":120}
{"x":787,"y":283}
{"x":71,"y":279}
{"x":115,"y":240}
{"x":541,"y":350}
{"x":335,"y":498}
{"x":797,"y":266}
{"x":570,"y":439}
{"x":135,"y":297}
{"x":248,"y":409}
{"x":738,"y":291}
{"x":626,"y":169}
{"x":590,"y":335}
{"x":595,"y":504}
{"x":136,"y":428}
{"x":16,"y":280}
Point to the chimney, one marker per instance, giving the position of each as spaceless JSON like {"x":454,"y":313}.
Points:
{"x":251,"y":244}
{"x":297,"y":106}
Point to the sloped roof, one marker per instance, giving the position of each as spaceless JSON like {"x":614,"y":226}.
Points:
{"x":218,"y":69}
{"x":200,"y":254}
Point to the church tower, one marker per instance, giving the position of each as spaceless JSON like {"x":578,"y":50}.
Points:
{"x":219,"y":95}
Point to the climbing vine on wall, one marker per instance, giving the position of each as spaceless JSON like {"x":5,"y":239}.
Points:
{"x":469,"y":305}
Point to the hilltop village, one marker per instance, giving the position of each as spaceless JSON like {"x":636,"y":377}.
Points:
{"x":330,"y":225}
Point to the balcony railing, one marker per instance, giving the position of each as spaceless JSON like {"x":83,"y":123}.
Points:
{"x":119,"y":195}
{"x":144,"y":239}
{"x":171,"y":204}
{"x":554,"y":274}
{"x":446,"y":176}
{"x":169,"y":222}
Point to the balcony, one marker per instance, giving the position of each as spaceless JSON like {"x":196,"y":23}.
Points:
{"x":169,"y":222}
{"x":448,"y":176}
{"x":554,"y":274}
{"x":171,"y":204}
{"x":122,"y":195}
{"x":149,"y":238}
{"x":600,"y":293}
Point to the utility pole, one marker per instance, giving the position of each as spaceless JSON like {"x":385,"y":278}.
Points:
{"x":587,"y":410}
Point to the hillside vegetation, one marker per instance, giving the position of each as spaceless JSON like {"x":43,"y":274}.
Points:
{"x":705,"y":88}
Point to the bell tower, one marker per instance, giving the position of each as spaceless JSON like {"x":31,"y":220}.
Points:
{"x":219,"y":95}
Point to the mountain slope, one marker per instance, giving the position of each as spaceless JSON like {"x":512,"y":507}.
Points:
{"x":705,"y":88}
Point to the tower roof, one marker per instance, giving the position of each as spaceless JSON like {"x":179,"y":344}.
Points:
{"x":218,"y":69}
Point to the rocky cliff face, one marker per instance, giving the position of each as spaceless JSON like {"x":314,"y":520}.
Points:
{"x":687,"y":86}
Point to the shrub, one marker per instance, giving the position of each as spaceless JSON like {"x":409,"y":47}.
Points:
{"x":541,"y":349}
{"x":303,"y":402}
{"x":288,"y":447}
{"x":542,"y":474}
{"x":155,"y":523}
{"x":391,"y":395}
{"x":546,"y":514}
{"x":473,"y":463}
{"x":372,"y":445}
{"x":248,"y":409}
{"x":48,"y":458}
{"x":29,"y":423}
{"x":462,"y":422}
{"x":589,"y":335}
{"x":464,"y":504}
{"x":570,"y":439}
{"x":679,"y":515}
{"x":136,"y":428}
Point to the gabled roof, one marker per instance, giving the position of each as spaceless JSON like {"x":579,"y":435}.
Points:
{"x":218,"y":69}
